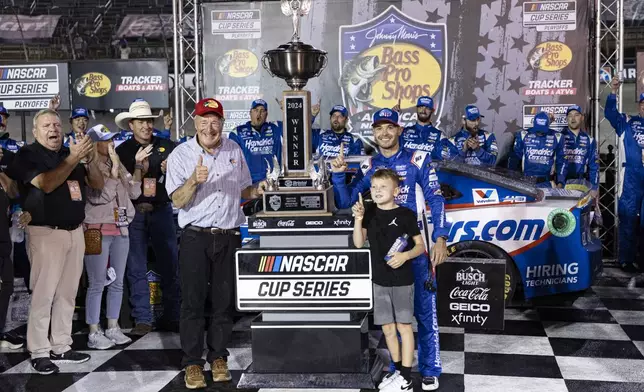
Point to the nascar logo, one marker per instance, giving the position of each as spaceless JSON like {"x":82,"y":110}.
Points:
{"x":299,"y":263}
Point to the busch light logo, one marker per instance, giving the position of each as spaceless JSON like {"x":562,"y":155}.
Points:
{"x":389,"y":58}
{"x":259,"y":223}
{"x":275,"y":202}
{"x":470,"y":276}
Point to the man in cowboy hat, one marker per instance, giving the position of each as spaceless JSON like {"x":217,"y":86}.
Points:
{"x":153,"y":219}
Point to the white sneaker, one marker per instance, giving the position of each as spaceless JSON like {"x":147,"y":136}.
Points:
{"x":116,"y":335}
{"x":387,"y":379}
{"x":430,"y":383}
{"x":98,"y":341}
{"x":399,"y":384}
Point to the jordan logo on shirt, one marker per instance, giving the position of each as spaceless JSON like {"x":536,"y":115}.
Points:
{"x":393,"y":222}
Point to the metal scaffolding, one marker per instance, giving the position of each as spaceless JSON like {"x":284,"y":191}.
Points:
{"x":187,"y":60}
{"x":609,"y":59}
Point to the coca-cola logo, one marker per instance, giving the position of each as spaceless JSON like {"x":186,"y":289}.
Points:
{"x":473,"y":294}
{"x":288,"y":223}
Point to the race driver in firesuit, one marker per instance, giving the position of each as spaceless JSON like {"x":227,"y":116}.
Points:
{"x":327,"y":143}
{"x":539,"y":151}
{"x":414,"y":168}
{"x":260,"y":141}
{"x":581,"y":154}
{"x":423,"y":135}
{"x":471,"y":145}
{"x":630,"y":130}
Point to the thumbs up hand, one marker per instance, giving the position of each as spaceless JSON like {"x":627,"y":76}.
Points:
{"x":200,"y":174}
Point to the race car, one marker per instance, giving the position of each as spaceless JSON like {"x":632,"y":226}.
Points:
{"x":544,"y":235}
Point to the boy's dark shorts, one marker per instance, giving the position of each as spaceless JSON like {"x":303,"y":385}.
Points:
{"x":393,"y":304}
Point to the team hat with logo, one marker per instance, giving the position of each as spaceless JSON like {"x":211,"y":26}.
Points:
{"x":573,"y":108}
{"x":472,"y":113}
{"x":541,"y":122}
{"x":339,"y":108}
{"x":385,"y":116}
{"x":4,"y":111}
{"x":258,"y":102}
{"x":79,"y":112}
{"x":641,"y":98}
{"x":427,"y":102}
{"x":209,"y":105}
{"x":100,"y":133}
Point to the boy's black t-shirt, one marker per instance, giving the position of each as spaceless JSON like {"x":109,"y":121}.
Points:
{"x":5,"y":222}
{"x":383,"y":228}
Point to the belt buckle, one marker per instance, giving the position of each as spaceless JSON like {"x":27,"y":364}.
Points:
{"x":215,"y":230}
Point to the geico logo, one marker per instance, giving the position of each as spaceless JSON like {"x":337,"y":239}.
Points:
{"x":523,"y":230}
{"x":320,"y":263}
{"x":313,"y":223}
{"x":469,"y":307}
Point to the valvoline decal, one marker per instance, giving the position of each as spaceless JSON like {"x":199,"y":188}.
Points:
{"x":474,"y":192}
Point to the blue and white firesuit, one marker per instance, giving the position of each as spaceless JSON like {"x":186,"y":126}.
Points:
{"x":414,"y":168}
{"x":540,"y":151}
{"x":424,"y":138}
{"x":484,"y":155}
{"x":630,"y":130}
{"x":582,"y":158}
{"x":259,"y":147}
{"x":327,"y":143}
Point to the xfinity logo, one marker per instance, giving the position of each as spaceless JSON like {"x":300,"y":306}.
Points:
{"x":313,"y":223}
{"x":342,"y":222}
{"x":288,"y":223}
{"x":259,"y":224}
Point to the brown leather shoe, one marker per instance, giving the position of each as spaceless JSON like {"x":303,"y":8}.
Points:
{"x":220,"y":372}
{"x":141,"y":329}
{"x":194,"y":377}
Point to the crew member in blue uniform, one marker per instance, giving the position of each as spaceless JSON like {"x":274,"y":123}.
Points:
{"x":79,"y":120}
{"x":423,"y":135}
{"x":327,"y":143}
{"x":630,"y":130}
{"x":539,"y":151}
{"x":581,"y":154}
{"x":4,"y":115}
{"x":6,"y":142}
{"x":414,"y":168}
{"x":471,"y":145}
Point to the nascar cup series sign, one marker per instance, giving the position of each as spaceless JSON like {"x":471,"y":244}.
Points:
{"x":31,"y":86}
{"x":303,"y":280}
{"x":389,"y":58}
{"x":470,"y":293}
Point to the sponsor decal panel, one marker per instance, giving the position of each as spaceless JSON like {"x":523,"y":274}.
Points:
{"x":485,"y":196}
{"x":238,"y":93}
{"x":237,"y":63}
{"x":237,"y":24}
{"x":551,"y":274}
{"x":550,"y":87}
{"x":389,"y":58}
{"x":307,"y":279}
{"x":550,"y":15}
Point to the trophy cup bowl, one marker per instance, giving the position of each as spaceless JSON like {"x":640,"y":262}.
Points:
{"x":295,"y":62}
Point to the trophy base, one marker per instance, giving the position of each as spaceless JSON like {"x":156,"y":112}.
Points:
{"x":298,"y":201}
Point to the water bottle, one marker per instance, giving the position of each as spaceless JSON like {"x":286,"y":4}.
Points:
{"x":399,"y":245}
{"x":17,"y":233}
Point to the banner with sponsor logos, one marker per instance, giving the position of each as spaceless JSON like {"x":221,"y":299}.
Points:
{"x":151,"y":26}
{"x":640,"y":74}
{"x":511,"y":59}
{"x":115,"y":84}
{"x":17,"y":28}
{"x":32,"y":86}
{"x":307,"y":279}
{"x":471,"y":293}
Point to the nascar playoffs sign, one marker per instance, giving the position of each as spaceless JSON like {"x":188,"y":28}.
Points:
{"x":303,"y":279}
{"x":32,"y":86}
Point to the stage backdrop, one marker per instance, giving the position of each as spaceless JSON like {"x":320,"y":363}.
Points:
{"x":512,"y":58}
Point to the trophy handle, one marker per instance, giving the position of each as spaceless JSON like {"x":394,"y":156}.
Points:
{"x":324,"y":63}
{"x":265,"y":65}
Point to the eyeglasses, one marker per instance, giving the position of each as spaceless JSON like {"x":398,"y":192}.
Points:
{"x":215,"y":121}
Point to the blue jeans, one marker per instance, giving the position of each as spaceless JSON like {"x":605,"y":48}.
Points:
{"x":115,"y":248}
{"x":158,"y":226}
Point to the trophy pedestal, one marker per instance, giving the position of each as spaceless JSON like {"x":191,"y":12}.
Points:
{"x":298,"y":201}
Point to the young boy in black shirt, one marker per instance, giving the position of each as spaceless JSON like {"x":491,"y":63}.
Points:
{"x":393,"y":280}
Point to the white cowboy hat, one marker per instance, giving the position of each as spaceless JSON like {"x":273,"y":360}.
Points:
{"x":139,"y":109}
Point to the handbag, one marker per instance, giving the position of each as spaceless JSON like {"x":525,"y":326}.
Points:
{"x":93,"y":242}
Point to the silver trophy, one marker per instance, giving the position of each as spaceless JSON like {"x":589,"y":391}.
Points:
{"x":320,"y":177}
{"x":273,"y":175}
{"x":296,"y":9}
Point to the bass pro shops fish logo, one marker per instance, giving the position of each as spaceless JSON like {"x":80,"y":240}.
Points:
{"x":93,"y":85}
{"x":388,"y":58}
